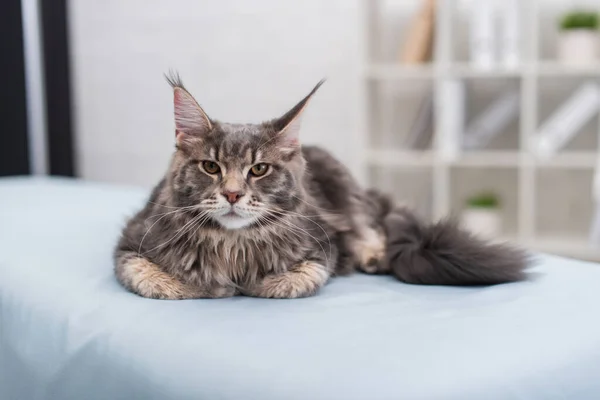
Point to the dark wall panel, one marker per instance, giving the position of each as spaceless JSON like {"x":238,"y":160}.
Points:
{"x":13,"y":107}
{"x":58,"y":87}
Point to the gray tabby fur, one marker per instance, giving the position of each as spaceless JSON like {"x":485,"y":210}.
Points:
{"x":301,"y":223}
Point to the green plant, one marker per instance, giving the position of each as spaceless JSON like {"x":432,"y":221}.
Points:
{"x":483,"y":200}
{"x":579,"y":20}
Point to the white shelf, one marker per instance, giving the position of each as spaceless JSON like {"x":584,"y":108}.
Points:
{"x":417,"y":158}
{"x":565,"y":246}
{"x":391,"y":71}
{"x":395,"y":72}
{"x":400,"y":158}
{"x":532,"y":75}
{"x":490,"y":158}
{"x":554,"y":69}
{"x":465,"y":70}
{"x":498,"y":159}
{"x":571,"y":160}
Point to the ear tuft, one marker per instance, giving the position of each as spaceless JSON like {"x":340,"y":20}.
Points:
{"x":190,"y":118}
{"x":288,"y":126}
{"x":174,"y":79}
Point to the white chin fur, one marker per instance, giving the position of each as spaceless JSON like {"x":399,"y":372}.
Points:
{"x":234,"y":222}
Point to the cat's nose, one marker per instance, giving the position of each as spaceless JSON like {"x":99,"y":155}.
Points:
{"x":232,"y":197}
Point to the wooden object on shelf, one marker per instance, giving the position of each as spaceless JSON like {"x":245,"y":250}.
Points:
{"x":419,"y":39}
{"x":421,"y":131}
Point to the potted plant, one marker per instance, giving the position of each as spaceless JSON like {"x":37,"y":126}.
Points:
{"x":578,"y":38}
{"x":482,"y":215}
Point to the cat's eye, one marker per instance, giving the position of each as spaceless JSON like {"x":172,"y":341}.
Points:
{"x":211,"y":167}
{"x":259,"y":169}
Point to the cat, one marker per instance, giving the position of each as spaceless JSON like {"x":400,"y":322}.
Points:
{"x":245,"y":209}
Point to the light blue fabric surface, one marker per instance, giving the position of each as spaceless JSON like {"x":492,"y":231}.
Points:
{"x":69,"y":331}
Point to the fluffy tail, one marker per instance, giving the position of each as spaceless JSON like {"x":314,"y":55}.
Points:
{"x":444,"y":254}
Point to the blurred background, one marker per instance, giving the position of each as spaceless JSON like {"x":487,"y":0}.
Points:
{"x":484,"y":109}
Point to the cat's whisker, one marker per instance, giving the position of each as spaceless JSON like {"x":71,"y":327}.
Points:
{"x":195,"y":221}
{"x":296,"y":214}
{"x":173,"y":207}
{"x":290,"y":224}
{"x":284,"y":227}
{"x":181,"y":231}
{"x":297,"y":231}
{"x":331,"y":212}
{"x":151,"y":226}
{"x":259,"y":207}
{"x":267,"y":142}
{"x":314,"y":222}
{"x":199,"y":224}
{"x":163,"y":214}
{"x":282,"y":212}
{"x":263,"y":226}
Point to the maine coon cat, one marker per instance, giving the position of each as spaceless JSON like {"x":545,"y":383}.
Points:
{"x":245,"y":209}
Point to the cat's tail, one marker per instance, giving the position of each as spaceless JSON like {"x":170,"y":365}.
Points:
{"x":442,"y":253}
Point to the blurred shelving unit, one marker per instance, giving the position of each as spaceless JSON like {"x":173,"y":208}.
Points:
{"x":383,"y":76}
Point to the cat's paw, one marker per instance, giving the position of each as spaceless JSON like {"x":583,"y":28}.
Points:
{"x":302,"y":280}
{"x":370,"y":252}
{"x":147,"y":279}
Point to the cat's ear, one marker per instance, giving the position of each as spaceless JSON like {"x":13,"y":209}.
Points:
{"x":190,"y":118}
{"x":288,"y":126}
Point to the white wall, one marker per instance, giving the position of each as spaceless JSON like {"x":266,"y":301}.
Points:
{"x":243,"y":60}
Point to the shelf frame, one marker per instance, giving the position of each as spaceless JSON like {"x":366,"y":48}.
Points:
{"x":444,"y":69}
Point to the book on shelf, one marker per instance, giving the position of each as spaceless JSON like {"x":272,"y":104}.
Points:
{"x":482,"y":33}
{"x":594,"y":238}
{"x":508,"y":12}
{"x":421,"y":131}
{"x":566,"y":122}
{"x":494,"y":33}
{"x":418,"y":45}
{"x":492,"y":121}
{"x":452,"y":121}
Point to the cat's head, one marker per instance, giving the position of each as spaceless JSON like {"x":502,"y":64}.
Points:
{"x":238,"y":175}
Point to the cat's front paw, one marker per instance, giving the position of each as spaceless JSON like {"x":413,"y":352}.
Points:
{"x":302,"y":280}
{"x":147,"y":279}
